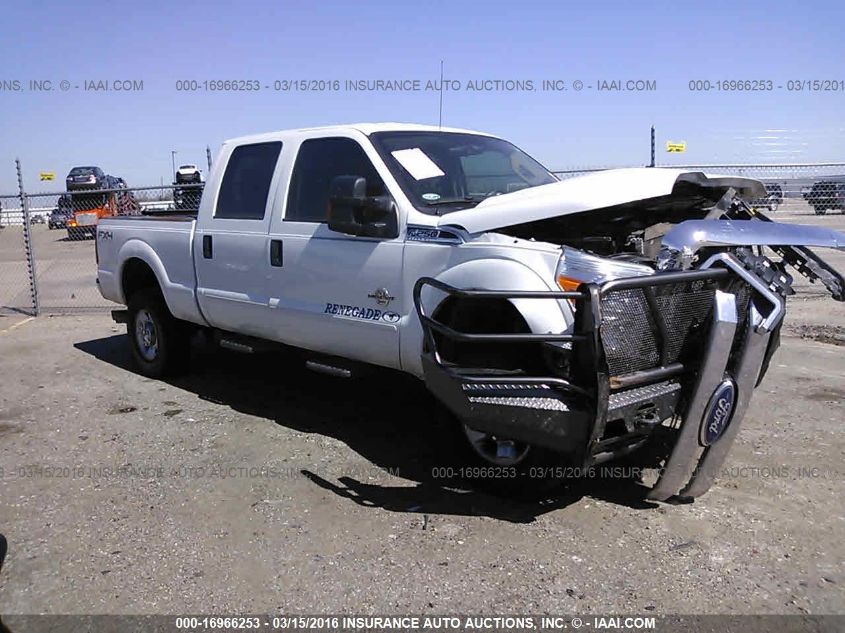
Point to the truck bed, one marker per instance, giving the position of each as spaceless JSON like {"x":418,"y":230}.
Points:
{"x":165,"y":243}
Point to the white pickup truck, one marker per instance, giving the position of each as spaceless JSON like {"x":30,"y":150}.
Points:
{"x":554,"y":320}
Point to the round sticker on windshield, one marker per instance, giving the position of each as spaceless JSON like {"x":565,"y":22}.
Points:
{"x":431,"y":196}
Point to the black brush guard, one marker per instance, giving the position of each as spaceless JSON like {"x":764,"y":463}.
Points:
{"x":610,"y":378}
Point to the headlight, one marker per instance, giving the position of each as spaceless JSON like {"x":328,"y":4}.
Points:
{"x":577,"y":267}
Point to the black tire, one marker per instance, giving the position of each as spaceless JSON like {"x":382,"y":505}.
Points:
{"x":167,"y":351}
{"x":820,"y":211}
{"x":540,"y":472}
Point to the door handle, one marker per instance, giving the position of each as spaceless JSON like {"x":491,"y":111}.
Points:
{"x":276,"y":253}
{"x":207,"y":247}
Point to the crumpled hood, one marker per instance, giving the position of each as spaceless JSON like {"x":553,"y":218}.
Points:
{"x":600,"y":190}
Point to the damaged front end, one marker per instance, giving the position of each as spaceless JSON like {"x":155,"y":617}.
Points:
{"x":681,"y":350}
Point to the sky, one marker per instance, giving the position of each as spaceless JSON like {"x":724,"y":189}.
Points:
{"x":132,"y":133}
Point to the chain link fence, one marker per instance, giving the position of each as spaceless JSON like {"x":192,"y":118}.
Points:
{"x":55,"y":234}
{"x":47,"y":258}
{"x":15,"y":289}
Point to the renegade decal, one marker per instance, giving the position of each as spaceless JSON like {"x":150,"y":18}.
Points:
{"x":358,"y":312}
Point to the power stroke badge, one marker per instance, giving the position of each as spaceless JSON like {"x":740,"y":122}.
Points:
{"x":361,"y":313}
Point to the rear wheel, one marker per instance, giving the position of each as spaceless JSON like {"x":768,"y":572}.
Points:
{"x":160,"y":343}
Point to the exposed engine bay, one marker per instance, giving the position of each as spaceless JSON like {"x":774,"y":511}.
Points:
{"x":683,"y":231}
{"x":630,"y":231}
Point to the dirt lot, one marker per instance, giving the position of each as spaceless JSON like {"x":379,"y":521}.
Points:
{"x":255,"y":486}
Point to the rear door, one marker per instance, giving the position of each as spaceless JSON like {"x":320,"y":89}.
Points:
{"x":231,"y":247}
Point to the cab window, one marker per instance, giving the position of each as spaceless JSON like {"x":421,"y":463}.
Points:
{"x":246,"y":181}
{"x":319,"y":161}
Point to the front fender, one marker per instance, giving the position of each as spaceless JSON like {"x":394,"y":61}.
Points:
{"x":541,"y":315}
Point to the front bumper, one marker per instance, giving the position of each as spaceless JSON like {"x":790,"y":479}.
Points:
{"x":679,"y":345}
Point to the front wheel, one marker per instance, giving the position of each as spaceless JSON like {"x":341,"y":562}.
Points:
{"x":502,"y":466}
{"x":160,"y":343}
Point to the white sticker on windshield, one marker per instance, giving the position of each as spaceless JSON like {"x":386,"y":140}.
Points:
{"x":417,"y":163}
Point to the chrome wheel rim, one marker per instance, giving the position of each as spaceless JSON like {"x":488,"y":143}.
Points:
{"x":146,"y":335}
{"x":498,"y":451}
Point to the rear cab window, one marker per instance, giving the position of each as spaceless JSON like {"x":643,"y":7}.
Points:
{"x":246,"y":181}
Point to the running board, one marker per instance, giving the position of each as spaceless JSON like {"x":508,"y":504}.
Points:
{"x":236,"y":346}
{"x":328,"y":370}
{"x":245,"y":344}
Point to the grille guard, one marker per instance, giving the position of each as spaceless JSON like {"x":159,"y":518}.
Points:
{"x":585,"y":397}
{"x":586,"y":330}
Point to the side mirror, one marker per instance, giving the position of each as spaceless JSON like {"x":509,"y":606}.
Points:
{"x":352,"y":212}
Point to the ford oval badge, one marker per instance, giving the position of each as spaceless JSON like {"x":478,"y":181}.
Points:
{"x":718,"y":413}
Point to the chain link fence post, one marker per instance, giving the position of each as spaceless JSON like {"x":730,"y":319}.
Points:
{"x":27,"y":241}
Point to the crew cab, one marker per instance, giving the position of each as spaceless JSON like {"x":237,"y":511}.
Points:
{"x":554,"y":321}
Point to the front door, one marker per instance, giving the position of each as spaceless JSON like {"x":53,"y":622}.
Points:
{"x":334,"y":292}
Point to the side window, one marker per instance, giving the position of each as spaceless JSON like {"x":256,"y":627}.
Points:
{"x":246,"y":182}
{"x":318,"y":162}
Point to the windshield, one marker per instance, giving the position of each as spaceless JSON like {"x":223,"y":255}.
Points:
{"x":446,"y":171}
{"x":82,"y":171}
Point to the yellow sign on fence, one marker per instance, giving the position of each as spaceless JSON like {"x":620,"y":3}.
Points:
{"x":48,"y":175}
{"x":676,"y":147}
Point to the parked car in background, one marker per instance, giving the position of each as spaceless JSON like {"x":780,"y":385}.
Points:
{"x":827,"y":195}
{"x":58,"y":219}
{"x":187,"y":174}
{"x":85,"y":178}
{"x":37,"y":218}
{"x":61,"y":214}
{"x":773,"y":198}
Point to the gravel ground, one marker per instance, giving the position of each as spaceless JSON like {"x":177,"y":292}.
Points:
{"x":121,"y":494}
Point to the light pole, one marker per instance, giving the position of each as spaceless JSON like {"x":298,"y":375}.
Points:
{"x":173,"y":163}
